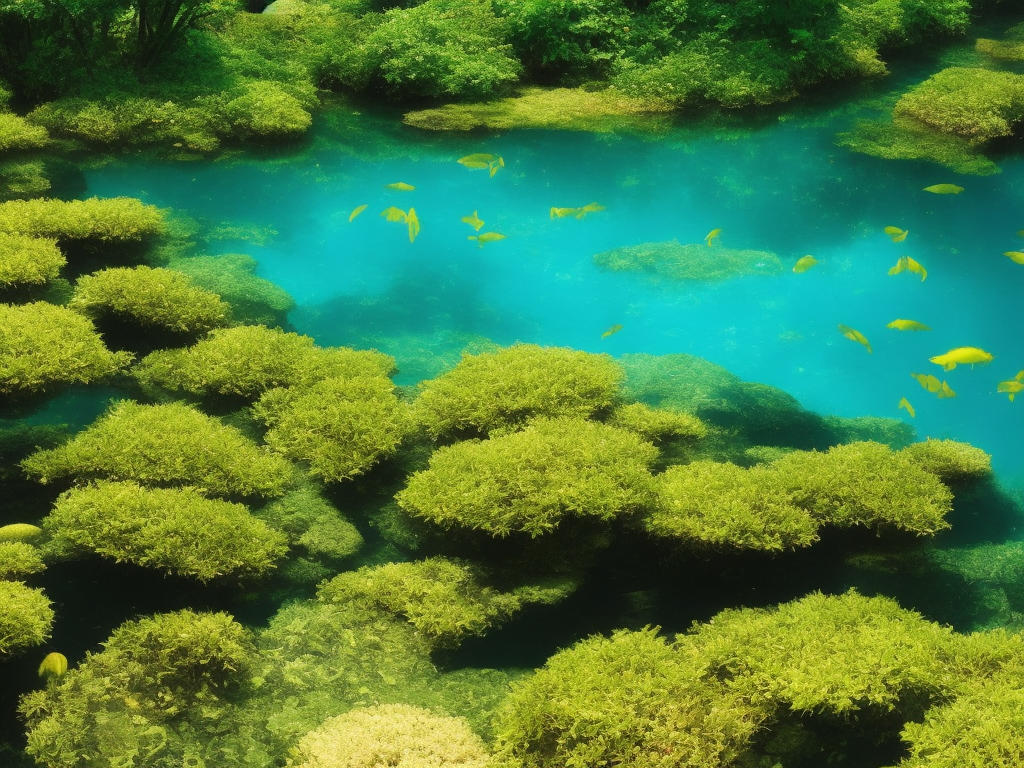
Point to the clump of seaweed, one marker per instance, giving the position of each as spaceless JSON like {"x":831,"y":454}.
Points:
{"x":673,"y":261}
{"x":253,"y":300}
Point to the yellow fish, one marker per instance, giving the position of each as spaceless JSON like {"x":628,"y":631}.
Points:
{"x":561,"y":213}
{"x":945,"y":391}
{"x":907,"y":325}
{"x":907,"y":264}
{"x":414,"y":224}
{"x":486,"y":237}
{"x":474,"y":221}
{"x":804,"y":263}
{"x":611,"y":331}
{"x":1015,"y":256}
{"x":907,"y":406}
{"x":928,"y":381}
{"x":401,"y":186}
{"x":853,"y":335}
{"x":965,"y":355}
{"x":494,"y":165}
{"x":477,"y":161}
{"x":589,"y":208}
{"x":898,"y":235}
{"x":356,"y":212}
{"x":944,"y":189}
{"x":1012,"y":387}
{"x":54,"y":665}
{"x":394,"y":214}
{"x":712,"y":235}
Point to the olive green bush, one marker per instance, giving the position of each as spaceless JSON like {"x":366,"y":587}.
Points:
{"x":264,"y":110}
{"x":714,"y":504}
{"x":16,"y":133}
{"x":167,"y":444}
{"x":310,"y":522}
{"x":253,"y":300}
{"x":43,"y":346}
{"x":158,"y":298}
{"x":396,"y":735}
{"x":506,"y":388}
{"x":176,"y":530}
{"x":339,"y":427}
{"x":248,"y":361}
{"x":529,"y":481}
{"x":18,"y":559}
{"x":25,"y":616}
{"x":106,"y":220}
{"x":951,"y":461}
{"x":160,"y":694}
{"x":28,"y":260}
{"x":656,"y":424}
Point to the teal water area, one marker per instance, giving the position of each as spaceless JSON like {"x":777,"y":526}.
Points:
{"x":783,"y":188}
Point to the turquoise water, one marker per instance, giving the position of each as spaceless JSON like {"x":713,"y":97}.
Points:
{"x":784,"y":188}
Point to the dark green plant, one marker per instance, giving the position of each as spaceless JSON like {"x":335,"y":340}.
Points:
{"x":309,"y":521}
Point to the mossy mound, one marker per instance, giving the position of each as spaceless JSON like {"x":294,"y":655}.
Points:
{"x":673,"y":261}
{"x":1010,"y":48}
{"x":16,"y":133}
{"x":567,"y":109}
{"x":115,"y":219}
{"x":176,"y":530}
{"x":950,"y":460}
{"x":657,"y":424}
{"x":19,"y":559}
{"x":25,"y":616}
{"x":253,"y":300}
{"x":310,"y":522}
{"x":28,"y":260}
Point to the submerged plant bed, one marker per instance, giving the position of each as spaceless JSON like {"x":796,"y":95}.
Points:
{"x":672,"y":260}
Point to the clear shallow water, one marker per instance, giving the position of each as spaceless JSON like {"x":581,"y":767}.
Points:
{"x":785,"y":189}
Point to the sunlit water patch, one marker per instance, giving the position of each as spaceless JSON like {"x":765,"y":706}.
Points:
{"x":785,"y":189}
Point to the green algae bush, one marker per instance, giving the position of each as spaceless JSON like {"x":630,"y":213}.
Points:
{"x":25,"y":616}
{"x":253,"y":300}
{"x":951,"y":461}
{"x":28,"y":260}
{"x":107,"y":220}
{"x":311,"y":522}
{"x":18,"y":559}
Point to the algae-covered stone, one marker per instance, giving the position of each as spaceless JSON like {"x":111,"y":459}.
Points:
{"x":1010,"y":48}
{"x":656,"y":424}
{"x":25,"y":616}
{"x":28,"y":260}
{"x":673,"y":261}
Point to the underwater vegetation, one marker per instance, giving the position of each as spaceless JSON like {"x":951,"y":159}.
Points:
{"x":674,"y":261}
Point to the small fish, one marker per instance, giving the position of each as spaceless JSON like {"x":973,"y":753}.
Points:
{"x":965,"y":355}
{"x":907,"y":406}
{"x":394,"y":214}
{"x":853,"y":335}
{"x":477,"y":161}
{"x":54,"y":665}
{"x":356,"y":212}
{"x":898,"y":235}
{"x":1013,"y":387}
{"x":414,"y":224}
{"x":907,"y":325}
{"x":589,"y":208}
{"x":944,"y":189}
{"x":1015,"y":256}
{"x":486,"y":237}
{"x":561,"y":213}
{"x":804,"y":263}
{"x":929,"y":382}
{"x":494,"y":165}
{"x":474,"y":221}
{"x":401,"y":186}
{"x":611,"y":331}
{"x":907,"y":264}
{"x":945,"y":391}
{"x":712,"y":235}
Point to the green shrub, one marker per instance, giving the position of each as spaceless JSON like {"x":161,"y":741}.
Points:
{"x":19,"y":559}
{"x":657,"y":424}
{"x":22,"y":179}
{"x":106,"y":220}
{"x":507,"y":388}
{"x":339,"y":427}
{"x":949,"y":460}
{"x":528,"y":481}
{"x":253,"y":300}
{"x":161,"y":445}
{"x":149,"y":297}
{"x":250,"y":360}
{"x":16,"y":133}
{"x":396,"y":735}
{"x":721,"y":505}
{"x":28,"y":260}
{"x":176,"y":530}
{"x":25,"y":616}
{"x":309,"y":521}
{"x":265,"y":110}
{"x":43,"y":346}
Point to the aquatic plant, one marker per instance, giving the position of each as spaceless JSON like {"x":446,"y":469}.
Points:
{"x":310,"y":522}
{"x":18,"y":559}
{"x":28,"y":260}
{"x":248,"y":361}
{"x":1010,"y":48}
{"x":253,"y":300}
{"x":25,"y":616}
{"x":951,"y":461}
{"x":43,"y":346}
{"x":674,"y":261}
{"x":530,"y":481}
{"x":23,"y":178}
{"x":106,"y":220}
{"x":176,"y":530}
{"x":656,"y":424}
{"x":16,"y":134}
{"x":158,"y":298}
{"x":338,"y":427}
{"x":19,"y":532}
{"x":166,"y":444}
{"x":397,"y":735}
{"x":264,"y":110}
{"x":506,"y":388}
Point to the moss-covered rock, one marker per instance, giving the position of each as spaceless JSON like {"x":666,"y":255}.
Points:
{"x":694,"y":261}
{"x":253,"y":300}
{"x":506,"y":388}
{"x":25,"y":616}
{"x":264,"y":110}
{"x":28,"y":260}
{"x":106,"y":220}
{"x":176,"y":530}
{"x":43,"y":347}
{"x":158,"y":445}
{"x":951,"y":461}
{"x":529,"y":481}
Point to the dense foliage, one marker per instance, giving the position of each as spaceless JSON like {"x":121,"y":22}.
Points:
{"x":28,"y":260}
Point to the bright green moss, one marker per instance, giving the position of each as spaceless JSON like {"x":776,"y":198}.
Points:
{"x":529,"y":481}
{"x":397,"y":735}
{"x":508,"y":387}
{"x":1010,"y":48}
{"x":18,"y":559}
{"x":657,"y":424}
{"x":161,"y":445}
{"x":631,"y":700}
{"x":253,"y":300}
{"x":264,"y":110}
{"x":250,"y":360}
{"x":339,"y":427}
{"x":949,"y":460}
{"x":28,"y":260}
{"x":106,"y":220}
{"x":714,"y":504}
{"x":309,"y":521}
{"x":16,"y":133}
{"x":176,"y":530}
{"x":43,"y":346}
{"x":23,"y":532}
{"x":694,"y":261}
{"x":25,"y":616}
